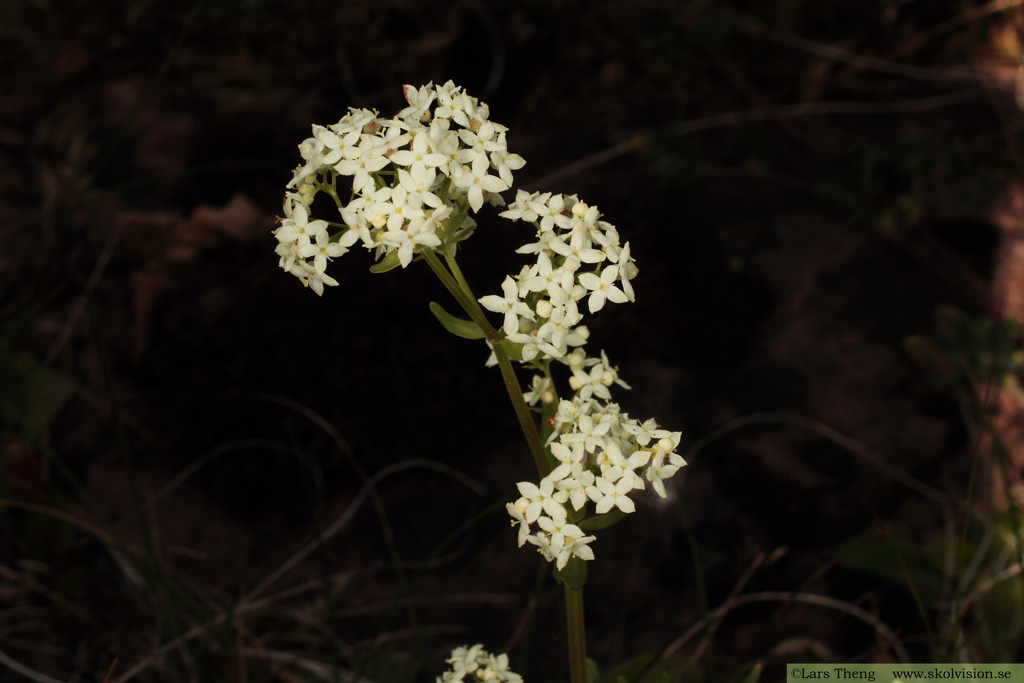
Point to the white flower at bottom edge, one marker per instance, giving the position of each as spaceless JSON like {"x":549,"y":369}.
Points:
{"x":482,"y":665}
{"x":465,"y":660}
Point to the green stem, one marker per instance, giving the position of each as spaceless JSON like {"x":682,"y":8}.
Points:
{"x":456,"y":284}
{"x":526,"y":422}
{"x":463,"y":298}
{"x":577,"y":635}
{"x":454,"y":281}
{"x":457,"y":272}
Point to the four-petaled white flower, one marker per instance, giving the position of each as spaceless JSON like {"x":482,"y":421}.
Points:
{"x":603,"y":288}
{"x":614,"y":495}
{"x":324,"y":249}
{"x":476,"y":181}
{"x":510,"y":305}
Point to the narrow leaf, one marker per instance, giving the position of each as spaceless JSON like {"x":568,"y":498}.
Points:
{"x":514,"y":351}
{"x":467,"y":329}
{"x":450,"y":225}
{"x":574,"y":574}
{"x":389,"y":262}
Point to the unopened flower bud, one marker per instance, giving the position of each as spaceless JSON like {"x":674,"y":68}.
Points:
{"x":575,"y":359}
{"x":544,"y":308}
{"x":522,"y":504}
{"x":608,"y":378}
{"x":575,"y":383}
{"x":547,"y":398}
{"x":666,"y":445}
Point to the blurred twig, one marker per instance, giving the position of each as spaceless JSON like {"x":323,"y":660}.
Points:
{"x":880,"y":627}
{"x":639,"y":141}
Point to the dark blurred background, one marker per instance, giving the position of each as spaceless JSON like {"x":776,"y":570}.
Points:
{"x":824,"y":203}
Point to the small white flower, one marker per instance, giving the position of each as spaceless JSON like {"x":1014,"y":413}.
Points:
{"x":419,"y":100}
{"x":360,"y":162}
{"x":564,"y":454}
{"x":540,"y":387}
{"x":297,"y":227}
{"x":576,"y":484}
{"x":533,"y":346}
{"x":400,"y":208}
{"x":316,"y":282}
{"x":614,"y":495}
{"x":421,"y":155}
{"x":603,"y":288}
{"x":518,"y":518}
{"x":510,"y":305}
{"x":542,"y":498}
{"x":475,"y":181}
{"x":408,"y":239}
{"x":549,"y":209}
{"x":324,"y":249}
{"x":505,"y":161}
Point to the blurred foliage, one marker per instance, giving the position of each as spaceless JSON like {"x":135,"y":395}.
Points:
{"x":971,"y":583}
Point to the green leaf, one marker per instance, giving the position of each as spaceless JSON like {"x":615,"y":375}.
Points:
{"x":514,"y":351}
{"x":872,"y":552}
{"x":593,"y":671}
{"x":574,"y":574}
{"x":467,"y":329}
{"x":601,"y":521}
{"x":450,"y":225}
{"x":389,"y":262}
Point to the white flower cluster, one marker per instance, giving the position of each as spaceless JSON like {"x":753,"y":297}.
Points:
{"x":414,"y":180}
{"x":578,"y":256}
{"x":479,"y":665}
{"x":603,"y":456}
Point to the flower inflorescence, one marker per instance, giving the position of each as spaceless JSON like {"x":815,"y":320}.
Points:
{"x":415,"y":180}
{"x":479,"y":665}
{"x":603,"y":455}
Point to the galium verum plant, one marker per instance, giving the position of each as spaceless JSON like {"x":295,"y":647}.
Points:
{"x":407,"y":188}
